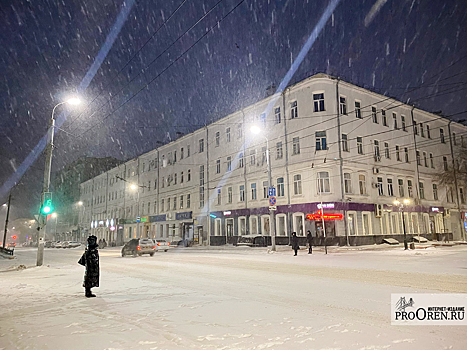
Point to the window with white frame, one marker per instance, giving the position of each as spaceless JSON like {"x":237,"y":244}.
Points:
{"x":280,"y":187}
{"x":218,"y":138}
{"x":394,"y":119}
{"x":359,"y":145}
{"x":428,"y":134}
{"x":445,"y":163}
{"x":384,"y":118}
{"x":201,"y":145}
{"x":253,"y":191}
{"x":240,"y":160}
{"x":318,"y":101}
{"x":376,"y":148}
{"x":379,"y":185}
{"x":218,"y":166}
{"x":362,"y":184}
{"x":410,"y":188}
{"x":229,"y":195}
{"x":366,"y":223}
{"x":219,"y":196}
{"x":432,"y":162}
{"x":441,"y":135}
{"x":415,"y":127}
{"x":293,"y":110}
{"x":390,"y":188}
{"x":227,"y":134}
{"x":403,"y":123}
{"x":419,"y":161}
{"x":352,"y":222}
{"x":425,"y":159}
{"x":296,"y":146}
{"x":174,"y":204}
{"x":343,"y":105}
{"x":358,"y":109}
{"x":461,"y":195}
{"x":398,"y":154}
{"x":297,"y":184}
{"x":374,"y":115}
{"x":400,"y":183}
{"x":406,"y":153}
{"x":422,"y":130}
{"x":253,"y":157}
{"x":181,"y":202}
{"x":277,"y":115}
{"x":324,"y":185}
{"x":449,"y":196}
{"x":279,"y":153}
{"x":435,"y":192}
{"x":188,"y":151}
{"x":239,"y":131}
{"x":320,"y":140}
{"x":229,"y":163}
{"x":347,"y":183}
{"x":386,"y":150}
{"x":421,"y":190}
{"x":188,"y":200}
{"x":201,"y":197}
{"x":265,"y":189}
{"x":345,"y":143}
{"x":242,"y":193}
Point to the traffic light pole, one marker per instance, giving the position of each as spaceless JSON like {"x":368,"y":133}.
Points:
{"x":6,"y":221}
{"x":45,"y":188}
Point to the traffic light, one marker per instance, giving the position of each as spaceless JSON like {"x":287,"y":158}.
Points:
{"x":47,"y":205}
{"x":14,"y":237}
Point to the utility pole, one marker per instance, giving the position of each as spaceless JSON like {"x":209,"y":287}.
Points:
{"x":6,"y":220}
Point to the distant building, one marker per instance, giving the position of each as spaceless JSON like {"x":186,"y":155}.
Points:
{"x":334,"y":147}
{"x":65,"y":185}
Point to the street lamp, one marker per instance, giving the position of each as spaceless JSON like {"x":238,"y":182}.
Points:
{"x":401,"y":205}
{"x":134,"y":187}
{"x":272,"y":224}
{"x":80,"y":203}
{"x":46,"y":185}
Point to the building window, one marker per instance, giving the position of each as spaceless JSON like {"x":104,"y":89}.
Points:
{"x":345,"y":143}
{"x":410,"y":188}
{"x":229,"y":195}
{"x":296,"y":145}
{"x":188,"y":201}
{"x":362,"y":184}
{"x":384,"y":118}
{"x":277,"y":115}
{"x":162,"y":205}
{"x":394,"y":118}
{"x":320,"y":140}
{"x":386,"y":150}
{"x":422,"y":130}
{"x":445,"y":163}
{"x":435,"y":192}
{"x":398,"y":154}
{"x":419,"y":162}
{"x":163,"y":181}
{"x":293,"y":110}
{"x":421,"y":190}
{"x":253,"y":191}
{"x":279,"y":152}
{"x":188,"y":151}
{"x":400,"y":183}
{"x":428,"y":131}
{"x":263,"y":155}
{"x":432,"y":163}
{"x":318,"y":102}
{"x":461,"y":195}
{"x":415,"y":127}
{"x":403,"y":123}
{"x":181,"y":153}
{"x":297,"y":184}
{"x":242,"y":193}
{"x":324,"y":185}
{"x":425,"y":159}
{"x":253,"y":157}
{"x":390,"y":188}
{"x":374,"y":115}
{"x":343,"y":105}
{"x":406,"y":152}
{"x":280,"y":187}
{"x":441,"y":135}
{"x":265,"y":189}
{"x":239,"y":131}
{"x":201,"y":197}
{"x":379,"y":185}
{"x":175,"y":179}
{"x":201,"y":175}
{"x":358,"y":109}
{"x":175,"y":204}
{"x":262,"y":119}
{"x":168,"y":204}
{"x":218,"y":166}
{"x":454,"y":140}
{"x":449,"y":197}
{"x":377,"y":154}
{"x":188,"y":175}
{"x":218,"y":138}
{"x":201,"y":145}
{"x":229,"y":163}
{"x":227,"y":134}
{"x":240,"y":160}
{"x":347,"y":183}
{"x":360,"y":145}
{"x":181,"y":177}
{"x":219,"y":196}
{"x":181,"y":202}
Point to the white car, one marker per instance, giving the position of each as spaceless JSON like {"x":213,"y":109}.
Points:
{"x":161,"y":244}
{"x":73,"y":244}
{"x":58,"y":244}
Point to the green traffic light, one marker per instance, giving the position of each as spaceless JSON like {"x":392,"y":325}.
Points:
{"x":46,"y":210}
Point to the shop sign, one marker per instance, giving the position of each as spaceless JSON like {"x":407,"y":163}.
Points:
{"x":435,"y":209}
{"x":227,"y":213}
{"x":183,"y":216}
{"x":326,"y":205}
{"x":156,"y":218}
{"x":325,"y":216}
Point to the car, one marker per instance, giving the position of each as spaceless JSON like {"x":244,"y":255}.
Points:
{"x":65,"y":244}
{"x":58,"y":244}
{"x":48,"y":244}
{"x":139,"y":246}
{"x":73,"y":244}
{"x":162,"y":245}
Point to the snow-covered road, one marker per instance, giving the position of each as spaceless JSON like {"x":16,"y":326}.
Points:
{"x":229,"y":299}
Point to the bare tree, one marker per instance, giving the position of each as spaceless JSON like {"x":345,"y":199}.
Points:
{"x":446,"y":177}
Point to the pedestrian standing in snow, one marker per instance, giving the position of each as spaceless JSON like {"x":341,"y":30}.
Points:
{"x":295,"y":245}
{"x":104,"y":243}
{"x":309,"y":239}
{"x":90,"y":259}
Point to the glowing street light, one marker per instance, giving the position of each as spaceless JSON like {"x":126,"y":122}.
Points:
{"x":80,"y":203}
{"x":133,"y":187}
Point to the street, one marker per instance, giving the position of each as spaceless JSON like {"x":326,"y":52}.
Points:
{"x":243,"y":298}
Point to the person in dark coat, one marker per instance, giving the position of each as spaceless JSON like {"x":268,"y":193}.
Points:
{"x":295,"y":245}
{"x":90,"y":259}
{"x":309,"y":239}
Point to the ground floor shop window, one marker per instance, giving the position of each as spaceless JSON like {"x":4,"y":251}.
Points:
{"x":265,"y":225}
{"x":253,"y":225}
{"x":298,"y":221}
{"x":352,"y":223}
{"x":385,"y":223}
{"x":366,"y":223}
{"x":395,"y":223}
{"x":241,"y":226}
{"x":229,"y":227}
{"x":329,"y":225}
{"x":217,"y":231}
{"x":281,"y":225}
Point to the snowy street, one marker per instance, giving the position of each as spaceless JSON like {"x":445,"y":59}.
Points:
{"x":230,"y":299}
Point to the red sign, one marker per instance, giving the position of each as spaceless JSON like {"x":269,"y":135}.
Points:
{"x":325,"y":216}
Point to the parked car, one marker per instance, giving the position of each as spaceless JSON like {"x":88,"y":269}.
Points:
{"x":65,"y":244}
{"x":73,"y":244}
{"x":162,"y":245}
{"x":48,"y":244}
{"x":58,"y":244}
{"x":139,"y":247}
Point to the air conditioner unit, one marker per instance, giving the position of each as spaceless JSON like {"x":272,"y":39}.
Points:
{"x":378,"y":210}
{"x":447,"y":213}
{"x":375,"y":170}
{"x":377,"y":158}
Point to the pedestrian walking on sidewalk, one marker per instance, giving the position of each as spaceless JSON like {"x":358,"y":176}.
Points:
{"x":90,"y":260}
{"x":309,"y":239}
{"x":295,"y":245}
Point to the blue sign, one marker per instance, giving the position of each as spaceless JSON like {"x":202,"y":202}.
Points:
{"x":272,"y":201}
{"x":156,"y":218}
{"x":272,"y":192}
{"x":465,"y":226}
{"x":138,"y":219}
{"x":183,"y":216}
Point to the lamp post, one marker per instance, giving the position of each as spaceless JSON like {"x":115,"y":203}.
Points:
{"x":46,"y":184}
{"x":272,"y":224}
{"x":134,"y":187}
{"x":401,"y":205}
{"x":54,"y":215}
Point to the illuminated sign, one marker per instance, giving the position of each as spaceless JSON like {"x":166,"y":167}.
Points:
{"x":325,"y":216}
{"x":326,"y":205}
{"x":227,"y":213}
{"x":112,"y":228}
{"x":435,"y":209}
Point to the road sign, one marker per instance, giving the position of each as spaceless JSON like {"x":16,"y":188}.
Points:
{"x":138,"y":219}
{"x":272,"y":192}
{"x":272,"y":200}
{"x":272,"y":207}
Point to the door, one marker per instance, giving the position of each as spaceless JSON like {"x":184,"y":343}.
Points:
{"x":229,"y":227}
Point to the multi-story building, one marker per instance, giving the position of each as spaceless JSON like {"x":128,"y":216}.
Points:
{"x":340,"y":155}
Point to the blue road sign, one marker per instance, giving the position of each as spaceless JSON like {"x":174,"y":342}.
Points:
{"x":272,"y":192}
{"x":138,"y":219}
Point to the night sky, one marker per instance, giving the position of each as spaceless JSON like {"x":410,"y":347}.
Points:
{"x":46,"y":48}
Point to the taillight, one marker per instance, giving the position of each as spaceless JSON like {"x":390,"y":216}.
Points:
{"x":158,"y":244}
{"x":139,"y":248}
{"x":168,"y":243}
{"x":153,"y":247}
